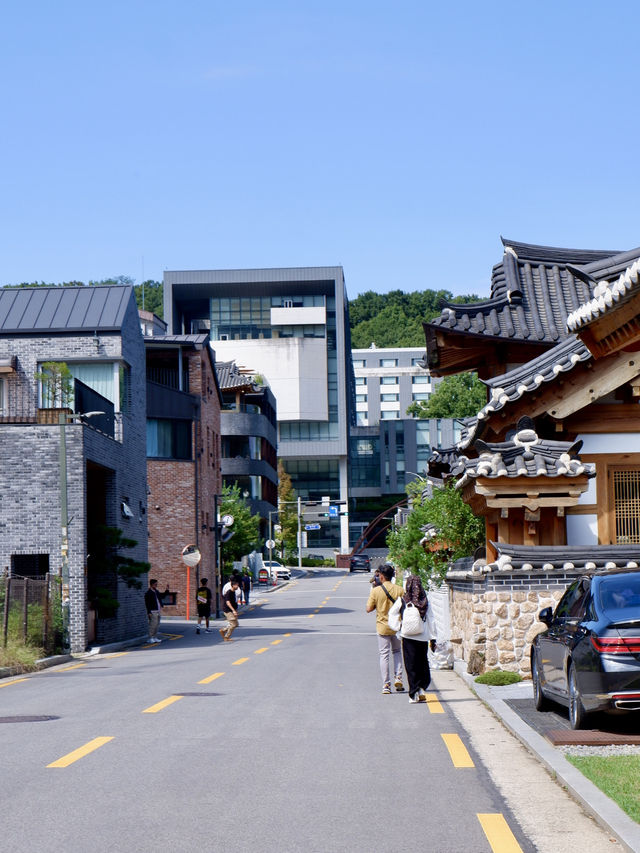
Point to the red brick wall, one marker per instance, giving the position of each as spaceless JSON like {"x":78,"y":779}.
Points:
{"x":181,"y":504}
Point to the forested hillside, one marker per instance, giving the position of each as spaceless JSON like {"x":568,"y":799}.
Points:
{"x":395,"y":319}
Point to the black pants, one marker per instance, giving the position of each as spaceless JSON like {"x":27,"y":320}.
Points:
{"x":416,"y":664}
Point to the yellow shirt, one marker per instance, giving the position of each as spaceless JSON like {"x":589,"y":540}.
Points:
{"x":382,"y":604}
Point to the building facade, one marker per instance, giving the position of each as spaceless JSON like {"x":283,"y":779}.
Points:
{"x":292,"y":325}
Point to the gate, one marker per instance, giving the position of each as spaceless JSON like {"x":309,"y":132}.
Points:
{"x":30,"y":610}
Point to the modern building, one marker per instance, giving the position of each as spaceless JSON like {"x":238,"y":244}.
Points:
{"x":183,"y":461}
{"x":249,"y":435}
{"x":64,"y":477}
{"x":290,"y":324}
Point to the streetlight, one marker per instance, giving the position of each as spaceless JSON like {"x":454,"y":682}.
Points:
{"x":63,"y":419}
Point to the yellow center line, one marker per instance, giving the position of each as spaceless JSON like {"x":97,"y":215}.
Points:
{"x":117,"y":654}
{"x":239,"y":661}
{"x":499,"y":836}
{"x":17,"y":681}
{"x":275,"y":642}
{"x":457,"y":751}
{"x":211,"y":678}
{"x":311,"y":615}
{"x":68,"y":759}
{"x":160,"y":705}
{"x":286,"y":635}
{"x":433,"y":704}
{"x":260,"y":651}
{"x":67,"y":668}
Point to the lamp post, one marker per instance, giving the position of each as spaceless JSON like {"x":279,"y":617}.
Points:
{"x":271,"y":512}
{"x":63,"y":419}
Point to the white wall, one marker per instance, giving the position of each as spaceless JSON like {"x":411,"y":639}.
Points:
{"x":628,"y":442}
{"x":582,"y":529}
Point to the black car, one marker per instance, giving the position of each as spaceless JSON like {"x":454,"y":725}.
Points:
{"x":589,"y":656}
{"x":360,"y":563}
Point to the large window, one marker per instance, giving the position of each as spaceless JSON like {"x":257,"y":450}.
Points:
{"x":626,"y":498}
{"x":168,"y":439}
{"x":388,"y":380}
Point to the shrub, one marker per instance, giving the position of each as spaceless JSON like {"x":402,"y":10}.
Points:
{"x":498,"y":678}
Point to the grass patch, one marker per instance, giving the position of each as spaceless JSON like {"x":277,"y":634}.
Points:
{"x":498,"y":678}
{"x":19,"y":656}
{"x":617,"y":776}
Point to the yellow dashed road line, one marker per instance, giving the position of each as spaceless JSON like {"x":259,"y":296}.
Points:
{"x":211,"y":678}
{"x":160,"y":705}
{"x":499,"y":836}
{"x":260,"y":651}
{"x":457,"y":751}
{"x":433,"y":704}
{"x":275,"y":642}
{"x":117,"y":655}
{"x":68,"y":759}
{"x":18,"y":680}
{"x":67,"y":668}
{"x":239,"y":661}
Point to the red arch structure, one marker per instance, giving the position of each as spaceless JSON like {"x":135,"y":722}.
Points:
{"x":361,"y":544}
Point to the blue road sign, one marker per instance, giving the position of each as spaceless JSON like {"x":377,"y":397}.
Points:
{"x":312,"y":527}
{"x":333,"y":512}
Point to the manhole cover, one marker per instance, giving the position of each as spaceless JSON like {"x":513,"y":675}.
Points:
{"x":28,"y":719}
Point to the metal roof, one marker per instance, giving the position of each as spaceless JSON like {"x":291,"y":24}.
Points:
{"x":42,"y":310}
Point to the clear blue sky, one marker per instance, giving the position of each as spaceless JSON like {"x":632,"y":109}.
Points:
{"x":397,"y":139}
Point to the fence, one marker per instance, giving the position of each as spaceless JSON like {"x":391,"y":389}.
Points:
{"x":30,"y":609}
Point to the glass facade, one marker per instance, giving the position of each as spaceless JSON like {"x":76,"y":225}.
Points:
{"x":365,"y":462}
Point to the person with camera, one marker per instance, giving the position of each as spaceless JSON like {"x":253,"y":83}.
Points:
{"x":381,"y":598}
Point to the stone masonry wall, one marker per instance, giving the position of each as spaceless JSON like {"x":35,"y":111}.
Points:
{"x":495,"y":614}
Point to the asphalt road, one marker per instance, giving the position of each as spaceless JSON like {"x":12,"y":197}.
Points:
{"x":279,"y":741}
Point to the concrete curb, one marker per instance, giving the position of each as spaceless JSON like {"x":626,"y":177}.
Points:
{"x":43,"y":663}
{"x":603,"y":810}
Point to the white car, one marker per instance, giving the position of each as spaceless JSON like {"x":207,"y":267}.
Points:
{"x":275,"y":568}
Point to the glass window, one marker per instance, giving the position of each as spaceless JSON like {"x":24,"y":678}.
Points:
{"x":626,"y":499}
{"x":421,"y":380}
{"x":572,"y":604}
{"x":421,"y":396}
{"x":361,"y":380}
{"x":416,"y":362}
{"x":389,"y":416}
{"x":389,"y":398}
{"x":2,"y":395}
{"x":167,"y":439}
{"x":361,"y":398}
{"x":358,"y":362}
{"x":388,"y":362}
{"x":388,"y":380}
{"x":361,"y":419}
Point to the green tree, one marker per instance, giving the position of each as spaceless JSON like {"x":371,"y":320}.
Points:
{"x":246,"y":525}
{"x":150,"y":293}
{"x":458,"y":533}
{"x":57,"y":384}
{"x":459,"y":396}
{"x":106,"y":564}
{"x":287,"y":538}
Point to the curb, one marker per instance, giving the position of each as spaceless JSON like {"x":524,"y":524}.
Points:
{"x":602,"y":809}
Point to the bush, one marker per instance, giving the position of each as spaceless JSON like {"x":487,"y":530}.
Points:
{"x":498,"y":678}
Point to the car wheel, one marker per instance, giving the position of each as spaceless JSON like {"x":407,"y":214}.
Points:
{"x":539,"y":699}
{"x":577,"y":714}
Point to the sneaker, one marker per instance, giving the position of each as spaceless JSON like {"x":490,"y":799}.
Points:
{"x":223,"y":631}
{"x":422,"y":696}
{"x":399,"y":685}
{"x":386,"y":689}
{"x":198,"y":630}
{"x":228,"y":640}
{"x":157,"y":640}
{"x":207,"y":631}
{"x":414,"y":699}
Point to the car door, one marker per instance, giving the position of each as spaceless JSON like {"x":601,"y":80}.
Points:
{"x":556,"y":641}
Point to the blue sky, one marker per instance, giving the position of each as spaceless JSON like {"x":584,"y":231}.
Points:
{"x":397,"y":139}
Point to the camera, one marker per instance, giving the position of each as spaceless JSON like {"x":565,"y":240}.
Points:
{"x":375,"y":580}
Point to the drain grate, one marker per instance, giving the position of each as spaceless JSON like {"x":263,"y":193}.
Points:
{"x":28,"y":719}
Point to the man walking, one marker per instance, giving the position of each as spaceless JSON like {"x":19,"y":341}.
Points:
{"x":154,"y":606}
{"x":230,"y":610}
{"x":246,"y":586}
{"x":203,"y":604}
{"x":381,"y":598}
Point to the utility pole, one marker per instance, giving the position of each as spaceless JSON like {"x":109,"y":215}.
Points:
{"x":299,"y":533}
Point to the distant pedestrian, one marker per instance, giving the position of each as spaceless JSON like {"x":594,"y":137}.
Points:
{"x":415,"y":646}
{"x":203,"y":604}
{"x":153,"y":604}
{"x":381,"y":598}
{"x":246,"y":585}
{"x":230,"y":610}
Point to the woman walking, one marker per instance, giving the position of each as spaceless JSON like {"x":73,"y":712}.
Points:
{"x":415,"y":646}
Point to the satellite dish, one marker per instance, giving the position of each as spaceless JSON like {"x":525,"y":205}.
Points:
{"x":191,"y":555}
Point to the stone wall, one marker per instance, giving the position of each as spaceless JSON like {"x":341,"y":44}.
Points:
{"x":495,"y":614}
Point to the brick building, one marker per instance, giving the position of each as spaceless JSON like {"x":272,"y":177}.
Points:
{"x":183,"y":461}
{"x":98,"y":463}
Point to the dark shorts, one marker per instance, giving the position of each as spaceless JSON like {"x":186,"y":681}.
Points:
{"x":204,"y":610}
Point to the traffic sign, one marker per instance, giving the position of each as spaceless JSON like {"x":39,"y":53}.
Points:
{"x":270,"y":543}
{"x":333,"y":512}
{"x":312,"y":527}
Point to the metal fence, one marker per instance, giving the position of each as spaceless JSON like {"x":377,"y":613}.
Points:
{"x":30,"y":610}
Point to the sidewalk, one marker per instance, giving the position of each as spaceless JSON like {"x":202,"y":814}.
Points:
{"x":603,"y":810}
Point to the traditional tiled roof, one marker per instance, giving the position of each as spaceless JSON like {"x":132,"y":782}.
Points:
{"x":533,"y":291}
{"x":530,"y":558}
{"x":511,"y":386}
{"x":607,"y":294}
{"x":525,"y":455}
{"x":230,"y":377}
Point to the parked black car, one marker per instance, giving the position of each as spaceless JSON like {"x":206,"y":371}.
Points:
{"x":589,"y":656}
{"x":360,"y":563}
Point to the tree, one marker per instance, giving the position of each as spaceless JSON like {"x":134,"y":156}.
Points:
{"x":459,"y":396}
{"x":57,"y":384}
{"x":106,"y":564}
{"x":457,"y":533}
{"x":287,"y":539}
{"x":246,"y":525}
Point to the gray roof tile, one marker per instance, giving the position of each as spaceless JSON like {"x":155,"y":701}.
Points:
{"x":42,"y":310}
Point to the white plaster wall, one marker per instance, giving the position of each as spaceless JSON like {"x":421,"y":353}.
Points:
{"x":295,"y":368}
{"x":582,"y":529}
{"x":303,"y":316}
{"x":628,"y":442}
{"x":591,"y":495}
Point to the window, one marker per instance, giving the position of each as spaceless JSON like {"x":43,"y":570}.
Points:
{"x":573,"y":602}
{"x":358,"y":362}
{"x":626,"y":500}
{"x":361,"y":419}
{"x":388,"y":380}
{"x":421,"y":380}
{"x":361,"y":398}
{"x":361,"y":380}
{"x":388,"y":362}
{"x":416,"y":362}
{"x":167,"y":439}
{"x":387,"y":416}
{"x":389,"y":398}
{"x":421,"y":396}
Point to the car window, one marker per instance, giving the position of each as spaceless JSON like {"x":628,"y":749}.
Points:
{"x":620,"y":592}
{"x":573,"y":603}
